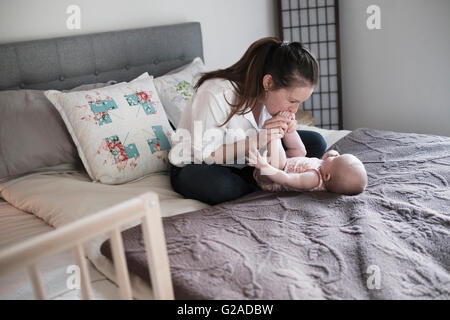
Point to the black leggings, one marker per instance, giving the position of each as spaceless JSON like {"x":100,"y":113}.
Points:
{"x":214,"y":183}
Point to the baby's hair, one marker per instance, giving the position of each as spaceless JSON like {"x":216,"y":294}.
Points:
{"x":347,"y":179}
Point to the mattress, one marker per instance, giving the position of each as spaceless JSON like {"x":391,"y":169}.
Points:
{"x":56,"y":196}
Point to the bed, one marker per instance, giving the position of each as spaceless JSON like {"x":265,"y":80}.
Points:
{"x":391,"y":242}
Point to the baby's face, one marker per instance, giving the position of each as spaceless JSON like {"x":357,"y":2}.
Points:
{"x":326,"y":166}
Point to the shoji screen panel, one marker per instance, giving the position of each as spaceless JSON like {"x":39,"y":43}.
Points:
{"x":315,"y":23}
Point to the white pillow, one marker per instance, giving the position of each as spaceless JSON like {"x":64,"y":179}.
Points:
{"x":121,"y":132}
{"x":176,"y":89}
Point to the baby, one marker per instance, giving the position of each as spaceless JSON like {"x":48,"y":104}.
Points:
{"x":343,"y":174}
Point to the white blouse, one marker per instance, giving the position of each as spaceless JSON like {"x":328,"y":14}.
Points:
{"x":198,"y":133}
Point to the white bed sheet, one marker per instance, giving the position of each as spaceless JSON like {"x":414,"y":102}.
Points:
{"x":330,"y":136}
{"x":64,"y":194}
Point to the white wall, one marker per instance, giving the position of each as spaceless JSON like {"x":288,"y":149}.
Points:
{"x":397,"y":78}
{"x":228,"y":26}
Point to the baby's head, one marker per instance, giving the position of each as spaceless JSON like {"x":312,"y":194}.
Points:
{"x":344,"y":174}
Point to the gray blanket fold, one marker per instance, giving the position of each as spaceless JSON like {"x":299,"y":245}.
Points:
{"x":390,"y":242}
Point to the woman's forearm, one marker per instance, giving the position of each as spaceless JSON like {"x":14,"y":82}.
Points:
{"x":230,"y":153}
{"x":294,"y":145}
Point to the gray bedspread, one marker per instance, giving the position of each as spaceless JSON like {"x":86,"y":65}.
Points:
{"x":390,"y":242}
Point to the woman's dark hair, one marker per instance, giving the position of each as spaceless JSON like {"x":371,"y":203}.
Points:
{"x":289,"y":64}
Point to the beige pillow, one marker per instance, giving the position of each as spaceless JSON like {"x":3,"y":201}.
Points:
{"x":32,"y":134}
{"x":176,"y":88}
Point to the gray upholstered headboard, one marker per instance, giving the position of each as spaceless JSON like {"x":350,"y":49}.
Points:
{"x":64,"y":63}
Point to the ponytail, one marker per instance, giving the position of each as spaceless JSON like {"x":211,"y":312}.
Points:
{"x":288,"y":64}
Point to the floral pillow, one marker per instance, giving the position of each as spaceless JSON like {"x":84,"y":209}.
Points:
{"x":121,"y":132}
{"x":176,"y":89}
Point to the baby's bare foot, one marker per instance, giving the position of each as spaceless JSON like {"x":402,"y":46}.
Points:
{"x":286,"y":114}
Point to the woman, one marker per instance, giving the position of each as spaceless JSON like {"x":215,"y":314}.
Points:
{"x":237,"y":107}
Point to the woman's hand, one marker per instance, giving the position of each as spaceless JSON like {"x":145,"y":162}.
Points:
{"x":255,"y":159}
{"x":292,"y":142}
{"x":292,"y":124}
{"x":275,"y":128}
